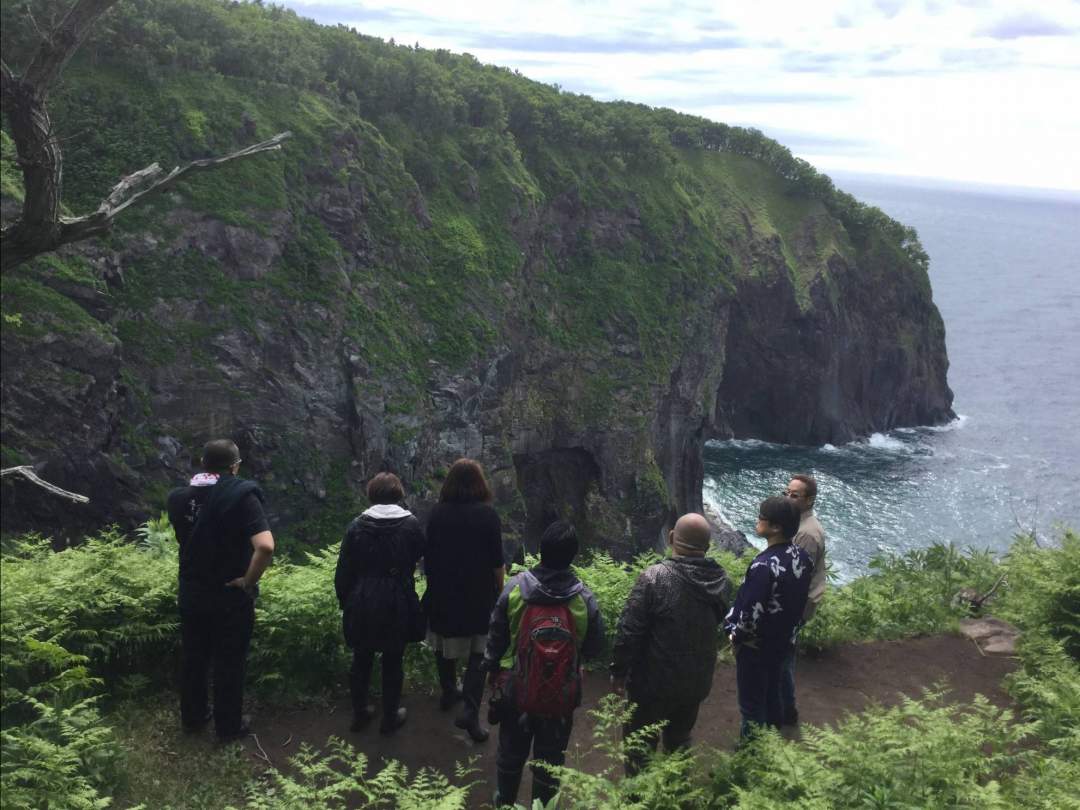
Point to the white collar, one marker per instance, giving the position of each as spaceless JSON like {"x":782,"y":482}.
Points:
{"x":386,"y":511}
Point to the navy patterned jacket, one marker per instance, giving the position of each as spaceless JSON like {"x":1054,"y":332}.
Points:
{"x":768,"y":609}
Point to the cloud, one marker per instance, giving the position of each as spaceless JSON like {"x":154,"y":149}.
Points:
{"x":814,"y":143}
{"x":890,"y":8}
{"x":811,"y":62}
{"x":331,"y":14}
{"x":1025,"y":24}
{"x":729,"y":98}
{"x":712,"y":26}
{"x":639,"y":42}
{"x":977,"y":58}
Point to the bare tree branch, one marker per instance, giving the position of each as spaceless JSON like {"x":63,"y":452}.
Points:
{"x":41,"y":228}
{"x":28,"y":473}
{"x":127,"y":192}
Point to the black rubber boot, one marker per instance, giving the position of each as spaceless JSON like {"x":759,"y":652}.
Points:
{"x":544,"y":786}
{"x":447,"y":669}
{"x":473,"y":693}
{"x":507,"y":784}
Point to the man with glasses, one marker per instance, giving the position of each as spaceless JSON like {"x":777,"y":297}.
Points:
{"x":225,"y":546}
{"x":802,"y":492}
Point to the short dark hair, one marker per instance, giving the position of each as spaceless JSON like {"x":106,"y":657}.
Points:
{"x":219,"y":455}
{"x":385,"y":488}
{"x":811,"y":484}
{"x":558,"y":545}
{"x":465,"y":483}
{"x":781,"y":512}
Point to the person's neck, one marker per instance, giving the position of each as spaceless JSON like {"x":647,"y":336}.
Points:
{"x":778,"y":540}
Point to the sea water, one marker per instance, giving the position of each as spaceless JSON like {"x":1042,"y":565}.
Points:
{"x":1005,"y":270}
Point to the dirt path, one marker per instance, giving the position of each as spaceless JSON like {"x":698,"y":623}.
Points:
{"x":845,"y":679}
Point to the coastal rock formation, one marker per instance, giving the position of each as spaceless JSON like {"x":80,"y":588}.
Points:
{"x":581,"y":322}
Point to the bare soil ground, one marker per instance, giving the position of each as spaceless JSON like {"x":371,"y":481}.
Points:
{"x":840,"y":681}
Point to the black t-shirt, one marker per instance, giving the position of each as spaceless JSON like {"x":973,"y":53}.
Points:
{"x":464,"y":546}
{"x":214,"y":526}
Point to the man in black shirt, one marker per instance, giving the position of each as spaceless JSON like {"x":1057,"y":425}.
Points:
{"x":225,"y":546}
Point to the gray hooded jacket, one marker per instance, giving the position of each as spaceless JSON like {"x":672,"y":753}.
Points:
{"x":666,"y":640}
{"x":544,"y":586}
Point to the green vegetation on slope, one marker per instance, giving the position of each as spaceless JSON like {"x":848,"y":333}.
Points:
{"x":170,"y":80}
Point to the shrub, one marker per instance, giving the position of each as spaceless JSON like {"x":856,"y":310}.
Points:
{"x":103,"y":599}
{"x":1043,"y":589}
{"x":339,"y":779}
{"x":909,"y":595}
{"x":611,"y":582}
{"x":298,"y":645}
{"x":671,"y":781}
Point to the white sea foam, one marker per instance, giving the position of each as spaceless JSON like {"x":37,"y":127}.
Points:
{"x":744,"y":444}
{"x":955,"y":424}
{"x":882,"y":441}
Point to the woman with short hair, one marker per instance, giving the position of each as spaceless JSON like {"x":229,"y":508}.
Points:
{"x":463,"y":562}
{"x":377,"y":592}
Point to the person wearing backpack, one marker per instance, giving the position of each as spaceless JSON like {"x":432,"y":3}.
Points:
{"x":377,"y":594}
{"x":543,"y":624}
{"x":665,"y":645}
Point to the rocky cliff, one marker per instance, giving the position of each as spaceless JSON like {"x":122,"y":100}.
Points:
{"x":580,"y":319}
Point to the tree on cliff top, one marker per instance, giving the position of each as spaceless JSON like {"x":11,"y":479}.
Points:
{"x":41,"y":227}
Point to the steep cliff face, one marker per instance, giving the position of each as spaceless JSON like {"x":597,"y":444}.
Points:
{"x":578,"y":321}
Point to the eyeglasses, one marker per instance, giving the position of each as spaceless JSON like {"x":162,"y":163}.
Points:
{"x":792,"y":494}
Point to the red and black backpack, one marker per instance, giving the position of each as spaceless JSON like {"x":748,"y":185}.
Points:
{"x":547,"y":676}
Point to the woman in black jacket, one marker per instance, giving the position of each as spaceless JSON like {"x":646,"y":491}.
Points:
{"x":463,"y":562}
{"x":377,"y":594}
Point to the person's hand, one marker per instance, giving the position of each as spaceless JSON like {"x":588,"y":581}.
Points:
{"x":731,"y":638}
{"x":241,"y":583}
{"x":618,"y":686}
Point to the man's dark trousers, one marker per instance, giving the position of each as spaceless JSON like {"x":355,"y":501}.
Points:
{"x":758,"y":674}
{"x":680,"y":720}
{"x":218,"y":639}
{"x":547,"y":739}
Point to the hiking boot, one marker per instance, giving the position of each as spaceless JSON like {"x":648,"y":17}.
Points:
{"x":395,"y":721}
{"x":240,"y":733}
{"x":471,"y":724}
{"x":449,"y":698}
{"x":362,"y":718}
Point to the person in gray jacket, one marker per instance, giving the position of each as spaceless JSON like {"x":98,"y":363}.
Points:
{"x":546,"y":595}
{"x":665,"y":645}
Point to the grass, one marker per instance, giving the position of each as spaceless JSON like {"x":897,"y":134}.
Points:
{"x":167,"y":769}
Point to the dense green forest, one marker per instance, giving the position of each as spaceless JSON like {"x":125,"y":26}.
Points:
{"x":429,"y":92}
{"x":90,"y":642}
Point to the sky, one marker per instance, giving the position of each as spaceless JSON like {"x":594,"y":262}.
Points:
{"x":978,"y":91}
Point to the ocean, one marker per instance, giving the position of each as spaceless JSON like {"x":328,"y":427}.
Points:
{"x":1005,"y":270}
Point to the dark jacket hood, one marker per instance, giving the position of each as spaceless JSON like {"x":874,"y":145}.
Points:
{"x":549,"y":585}
{"x":707,"y":579}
